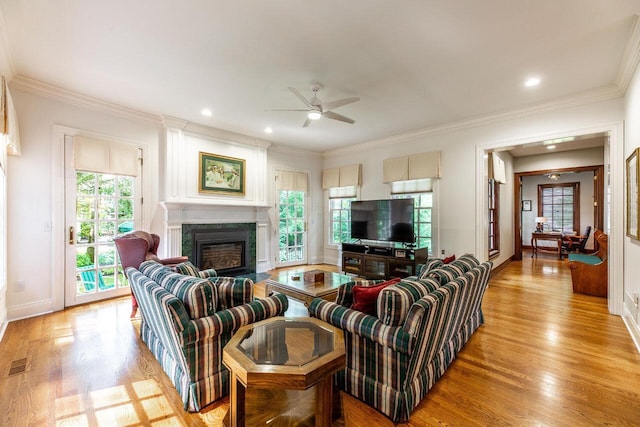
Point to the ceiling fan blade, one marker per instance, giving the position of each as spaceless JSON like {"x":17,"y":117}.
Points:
{"x":335,"y":116}
{"x":306,"y":123}
{"x":326,"y":106}
{"x":299,"y":95}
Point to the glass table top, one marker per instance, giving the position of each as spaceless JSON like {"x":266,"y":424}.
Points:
{"x":287,"y":342}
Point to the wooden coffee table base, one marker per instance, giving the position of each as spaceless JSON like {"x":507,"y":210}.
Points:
{"x":259,"y":356}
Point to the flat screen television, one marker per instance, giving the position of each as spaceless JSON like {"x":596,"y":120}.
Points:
{"x":385,"y":220}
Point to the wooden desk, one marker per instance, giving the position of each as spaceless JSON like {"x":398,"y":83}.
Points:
{"x":550,"y":236}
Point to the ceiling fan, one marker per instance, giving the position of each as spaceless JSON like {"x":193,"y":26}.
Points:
{"x":317,"y":109}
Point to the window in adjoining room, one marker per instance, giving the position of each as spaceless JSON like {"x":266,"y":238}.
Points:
{"x":560,"y":205}
{"x":494,"y":218}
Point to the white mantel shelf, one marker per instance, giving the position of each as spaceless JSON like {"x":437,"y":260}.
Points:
{"x":196,"y":204}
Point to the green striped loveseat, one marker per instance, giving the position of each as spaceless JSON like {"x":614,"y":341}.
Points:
{"x":187,"y":321}
{"x":421,"y":323}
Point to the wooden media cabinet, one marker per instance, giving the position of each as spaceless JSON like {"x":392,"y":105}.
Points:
{"x":381,"y":262}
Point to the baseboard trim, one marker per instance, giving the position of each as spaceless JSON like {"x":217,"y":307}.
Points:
{"x":33,"y":309}
{"x":3,"y":328}
{"x":632,"y":327}
{"x":498,"y":268}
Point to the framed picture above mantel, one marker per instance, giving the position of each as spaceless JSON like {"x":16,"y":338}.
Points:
{"x":221,"y":175}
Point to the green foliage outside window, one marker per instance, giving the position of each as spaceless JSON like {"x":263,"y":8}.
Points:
{"x":291,"y":226}
{"x":422,"y":217}
{"x":104,"y":209}
{"x":340,"y":209}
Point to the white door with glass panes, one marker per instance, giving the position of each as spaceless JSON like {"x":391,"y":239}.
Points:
{"x":102,"y":188}
{"x":292,"y":218}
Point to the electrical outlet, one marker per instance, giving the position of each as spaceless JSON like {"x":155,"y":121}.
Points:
{"x":19,"y":286}
{"x":442,"y":252}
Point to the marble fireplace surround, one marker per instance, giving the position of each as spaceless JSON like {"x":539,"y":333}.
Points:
{"x":181,"y":220}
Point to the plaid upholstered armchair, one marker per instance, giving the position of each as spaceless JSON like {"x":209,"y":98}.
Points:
{"x":395,"y":355}
{"x":187,"y":321}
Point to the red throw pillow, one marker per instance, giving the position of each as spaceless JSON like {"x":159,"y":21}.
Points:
{"x":365,"y":297}
{"x":449,"y":259}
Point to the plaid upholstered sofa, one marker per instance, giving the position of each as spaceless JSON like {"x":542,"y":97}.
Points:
{"x":421,"y":323}
{"x":187,"y":321}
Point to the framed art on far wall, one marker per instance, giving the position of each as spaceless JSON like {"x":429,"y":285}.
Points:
{"x":221,"y":175}
{"x":526,"y":205}
{"x":633,"y":218}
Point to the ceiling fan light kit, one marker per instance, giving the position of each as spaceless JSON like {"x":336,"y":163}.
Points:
{"x":314,"y":114}
{"x":317,"y":109}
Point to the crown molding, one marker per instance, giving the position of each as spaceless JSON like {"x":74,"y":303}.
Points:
{"x":287,"y":149}
{"x":191,"y":128}
{"x":37,"y":87}
{"x":597,"y":95}
{"x":630,"y":57}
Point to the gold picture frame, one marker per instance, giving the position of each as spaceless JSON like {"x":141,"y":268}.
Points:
{"x":633,"y":207}
{"x":221,"y":175}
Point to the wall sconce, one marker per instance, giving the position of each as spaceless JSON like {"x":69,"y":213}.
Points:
{"x":540,"y":220}
{"x":554,"y":176}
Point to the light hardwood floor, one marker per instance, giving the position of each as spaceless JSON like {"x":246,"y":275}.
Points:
{"x":544,"y":357}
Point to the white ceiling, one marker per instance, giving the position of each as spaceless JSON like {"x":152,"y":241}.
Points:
{"x":414,"y":63}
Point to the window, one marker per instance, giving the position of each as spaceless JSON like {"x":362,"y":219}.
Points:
{"x":423,"y":208}
{"x":494,"y":218}
{"x":340,"y":199}
{"x":560,"y":204}
{"x":105,"y":207}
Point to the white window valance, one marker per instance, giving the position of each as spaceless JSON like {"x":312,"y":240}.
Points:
{"x":95,"y":155}
{"x":9,"y":120}
{"x":291,"y":181}
{"x":497,"y":170}
{"x":416,"y":166}
{"x":344,"y":176}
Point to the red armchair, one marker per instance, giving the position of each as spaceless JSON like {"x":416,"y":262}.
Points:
{"x":139,"y":246}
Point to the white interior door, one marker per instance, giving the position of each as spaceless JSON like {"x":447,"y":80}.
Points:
{"x":98,"y":207}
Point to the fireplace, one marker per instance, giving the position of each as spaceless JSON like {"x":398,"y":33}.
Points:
{"x":227,"y":248}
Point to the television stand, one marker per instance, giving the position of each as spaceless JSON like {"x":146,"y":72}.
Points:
{"x":381,"y":262}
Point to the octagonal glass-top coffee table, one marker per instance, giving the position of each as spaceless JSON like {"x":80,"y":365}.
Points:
{"x":285,"y":353}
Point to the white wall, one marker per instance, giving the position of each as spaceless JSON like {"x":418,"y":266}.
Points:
{"x":558,"y":160}
{"x":632,"y":246}
{"x":5,"y":70}
{"x":461,"y":191}
{"x":35,"y":191}
{"x":34,"y":216}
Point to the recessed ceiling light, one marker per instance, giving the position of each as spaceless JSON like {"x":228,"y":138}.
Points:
{"x":532,"y":81}
{"x":206,"y":112}
{"x":268,"y":130}
{"x":551,"y":147}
